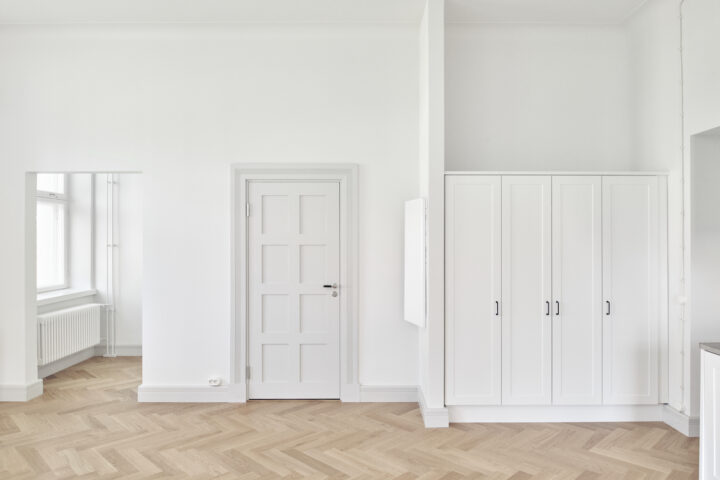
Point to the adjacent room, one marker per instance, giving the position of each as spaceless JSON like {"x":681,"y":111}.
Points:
{"x":88,"y":268}
{"x":416,"y":239}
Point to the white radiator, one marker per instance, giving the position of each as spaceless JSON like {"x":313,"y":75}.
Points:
{"x":64,"y":332}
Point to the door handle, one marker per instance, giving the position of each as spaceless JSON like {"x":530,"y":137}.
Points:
{"x":334,"y":285}
{"x":547,"y":308}
{"x":557,"y":307}
{"x":608,"y":307}
{"x":497,"y":308}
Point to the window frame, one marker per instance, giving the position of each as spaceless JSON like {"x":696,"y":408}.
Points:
{"x":62,"y":199}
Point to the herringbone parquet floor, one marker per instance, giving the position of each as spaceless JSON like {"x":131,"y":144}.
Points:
{"x":88,"y":424}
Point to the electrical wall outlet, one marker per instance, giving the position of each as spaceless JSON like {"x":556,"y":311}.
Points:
{"x":215,"y":381}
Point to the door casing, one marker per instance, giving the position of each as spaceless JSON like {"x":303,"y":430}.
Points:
{"x":347,"y":177}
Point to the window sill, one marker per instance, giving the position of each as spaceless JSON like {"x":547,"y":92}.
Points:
{"x":57,"y":296}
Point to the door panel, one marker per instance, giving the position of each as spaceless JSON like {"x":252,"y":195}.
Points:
{"x":526,"y":330}
{"x":473,"y":335}
{"x":631,"y":286}
{"x":293,"y":250}
{"x":577,"y":290}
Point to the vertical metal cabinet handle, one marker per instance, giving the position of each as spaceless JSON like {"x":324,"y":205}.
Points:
{"x":608,"y":307}
{"x":497,"y":308}
{"x":557,"y":307}
{"x":547,"y":308}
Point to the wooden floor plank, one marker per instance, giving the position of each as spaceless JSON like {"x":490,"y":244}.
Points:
{"x":88,"y":423}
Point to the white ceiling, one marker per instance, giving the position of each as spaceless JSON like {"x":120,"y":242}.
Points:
{"x":310,"y":11}
{"x":210,"y":11}
{"x":540,"y":11}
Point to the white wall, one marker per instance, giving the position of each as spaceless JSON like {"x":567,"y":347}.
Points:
{"x":127,"y":273}
{"x":432,"y":186}
{"x":655,"y":38}
{"x":181,"y":104}
{"x":538,"y":97}
{"x":130,"y":262}
{"x":654,"y":41}
{"x":701,"y":73}
{"x":701,"y":48}
{"x":424,"y":176}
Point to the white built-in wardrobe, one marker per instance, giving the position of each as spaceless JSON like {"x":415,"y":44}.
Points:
{"x":556,"y":289}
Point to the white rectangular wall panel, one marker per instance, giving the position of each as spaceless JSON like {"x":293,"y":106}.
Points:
{"x":472,"y":283}
{"x":526,"y":294}
{"x":577,"y":290}
{"x":293,"y":290}
{"x":631,"y":290}
{"x":414,"y":279}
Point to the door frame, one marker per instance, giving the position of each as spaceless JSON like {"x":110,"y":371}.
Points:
{"x":346,"y":175}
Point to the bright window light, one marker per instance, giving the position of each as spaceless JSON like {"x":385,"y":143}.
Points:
{"x":51,"y":182}
{"x":52,"y":242}
{"x":50,"y":245}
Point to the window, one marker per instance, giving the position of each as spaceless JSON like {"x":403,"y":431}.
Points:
{"x":52,"y":232}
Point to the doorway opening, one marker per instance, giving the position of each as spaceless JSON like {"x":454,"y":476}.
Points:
{"x":87,"y":271}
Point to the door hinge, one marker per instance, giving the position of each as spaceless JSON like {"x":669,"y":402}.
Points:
{"x":247,"y":209}
{"x":247,"y":372}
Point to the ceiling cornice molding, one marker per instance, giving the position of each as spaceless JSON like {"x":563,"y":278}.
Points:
{"x":210,"y":12}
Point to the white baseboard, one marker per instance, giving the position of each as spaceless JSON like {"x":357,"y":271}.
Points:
{"x":349,"y":392}
{"x":120,"y":350}
{"x":688,"y":426}
{"x":189,"y":394}
{"x":236,"y":393}
{"x":21,"y":393}
{"x":555,"y":414}
{"x":45,"y":371}
{"x":388,"y":393}
{"x":432,"y":417}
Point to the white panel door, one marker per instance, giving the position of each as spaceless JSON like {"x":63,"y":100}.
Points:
{"x":630,"y":290}
{"x":472,"y":290}
{"x":293,"y":297}
{"x":526,"y":330}
{"x":577,"y":290}
{"x":709,"y":416}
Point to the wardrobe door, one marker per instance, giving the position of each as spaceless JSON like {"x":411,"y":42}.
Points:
{"x":577,"y":290}
{"x":630,"y":290}
{"x":526,"y":309}
{"x":472,"y":296}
